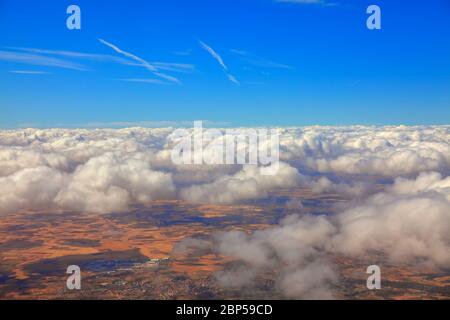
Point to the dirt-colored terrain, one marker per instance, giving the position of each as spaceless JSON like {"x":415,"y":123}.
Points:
{"x":128,"y":255}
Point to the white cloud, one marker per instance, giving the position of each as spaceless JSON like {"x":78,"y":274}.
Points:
{"x":218,"y":58}
{"x":325,"y":159}
{"x":143,"y":62}
{"x":409,"y":224}
{"x":107,"y":170}
{"x":30,"y":189}
{"x":112,"y":181}
{"x":248,"y":183}
{"x":385,"y":151}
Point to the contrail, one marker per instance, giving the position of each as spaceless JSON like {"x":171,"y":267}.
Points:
{"x":144,"y":63}
{"x":219,"y":59}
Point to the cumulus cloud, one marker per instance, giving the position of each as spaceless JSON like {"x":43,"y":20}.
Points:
{"x":381,"y":151}
{"x":29,"y":55}
{"x":248,"y":183}
{"x":294,"y":250}
{"x":83,"y":170}
{"x":112,"y":181}
{"x":30,"y":189}
{"x":104,"y":183}
{"x":153,"y":69}
{"x":408,"y":223}
{"x":343,"y":160}
{"x":312,"y":281}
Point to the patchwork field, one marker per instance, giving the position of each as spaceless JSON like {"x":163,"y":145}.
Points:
{"x":129,"y":255}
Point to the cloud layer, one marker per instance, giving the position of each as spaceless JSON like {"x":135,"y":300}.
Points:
{"x":409,"y":223}
{"x":407,"y":220}
{"x":104,"y":170}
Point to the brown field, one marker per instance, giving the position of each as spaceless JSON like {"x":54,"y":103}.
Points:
{"x":114,"y":252}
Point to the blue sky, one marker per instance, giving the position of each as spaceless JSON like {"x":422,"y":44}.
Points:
{"x":239,"y":63}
